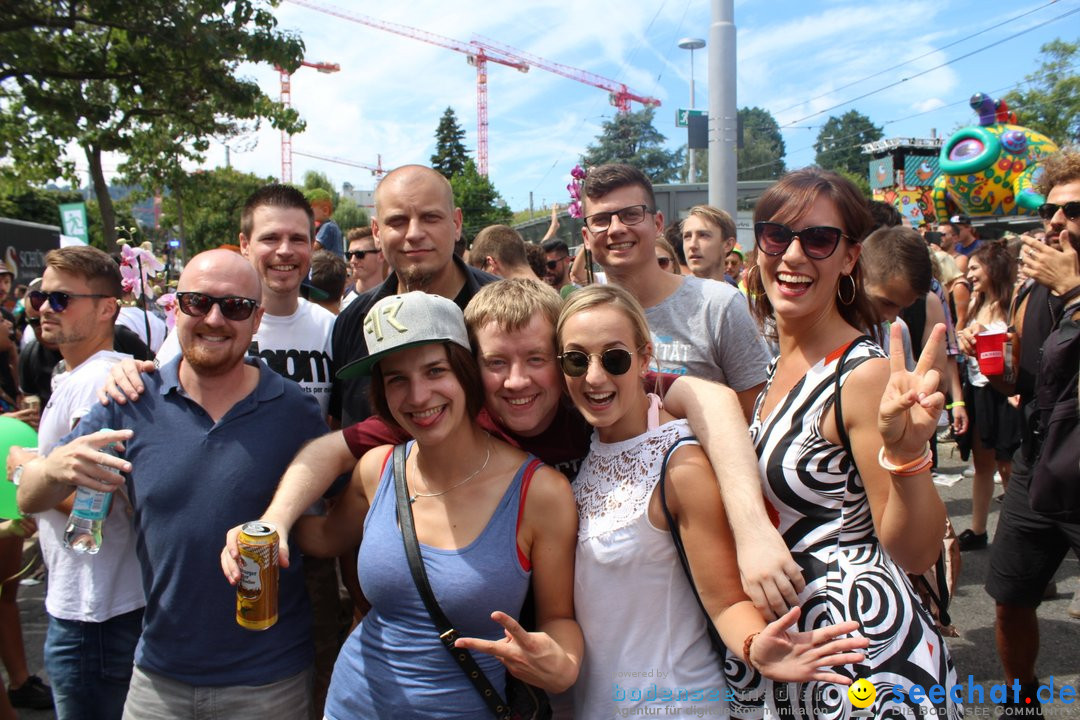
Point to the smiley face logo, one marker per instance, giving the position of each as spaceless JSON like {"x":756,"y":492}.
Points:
{"x":862,"y":693}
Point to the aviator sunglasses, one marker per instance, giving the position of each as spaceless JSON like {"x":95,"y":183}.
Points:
{"x":1071,"y":210}
{"x":58,"y":301}
{"x":575,"y":363}
{"x":817,"y":242}
{"x":197,"y":304}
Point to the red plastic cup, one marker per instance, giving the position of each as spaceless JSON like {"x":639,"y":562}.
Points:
{"x":990,"y":351}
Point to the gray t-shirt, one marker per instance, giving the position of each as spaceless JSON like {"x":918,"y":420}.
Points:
{"x":705,"y":329}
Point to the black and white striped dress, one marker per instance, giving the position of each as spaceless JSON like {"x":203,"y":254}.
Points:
{"x":826,"y":522}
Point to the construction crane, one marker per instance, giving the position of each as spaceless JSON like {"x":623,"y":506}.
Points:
{"x":478,"y":53}
{"x":286,"y":100}
{"x":619,"y":94}
{"x":376,"y":169}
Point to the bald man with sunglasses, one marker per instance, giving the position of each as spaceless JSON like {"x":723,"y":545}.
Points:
{"x":201,"y":452}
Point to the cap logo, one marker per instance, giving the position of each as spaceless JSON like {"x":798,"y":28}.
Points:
{"x":374,"y":326}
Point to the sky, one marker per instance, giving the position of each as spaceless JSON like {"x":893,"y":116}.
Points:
{"x":801,"y":60}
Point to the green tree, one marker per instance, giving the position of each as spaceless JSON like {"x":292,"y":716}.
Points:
{"x":210,"y":205}
{"x":317,"y":180}
{"x":480,"y":203}
{"x":151,"y":81}
{"x":1051,"y":102}
{"x":761,"y":156}
{"x":839,"y":143}
{"x":349,"y":215}
{"x":450,"y":156}
{"x":631,"y":138}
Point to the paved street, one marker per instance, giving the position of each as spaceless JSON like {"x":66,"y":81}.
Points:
{"x":972,"y":611}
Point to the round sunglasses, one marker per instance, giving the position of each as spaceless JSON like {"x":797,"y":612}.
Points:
{"x":615,"y":361}
{"x":198,"y":304}
{"x":58,"y":301}
{"x":817,"y":242}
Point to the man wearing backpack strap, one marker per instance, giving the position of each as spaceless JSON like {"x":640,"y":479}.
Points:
{"x":1029,"y":545}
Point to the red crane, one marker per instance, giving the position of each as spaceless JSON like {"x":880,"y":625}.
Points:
{"x":478,"y":53}
{"x":286,"y":100}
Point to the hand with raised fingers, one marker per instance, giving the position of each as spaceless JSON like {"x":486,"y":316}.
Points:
{"x":911,"y":404}
{"x":533,"y":657}
{"x":787,"y":655}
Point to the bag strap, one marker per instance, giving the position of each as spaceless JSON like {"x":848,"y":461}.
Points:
{"x":680,"y":549}
{"x":840,"y":429}
{"x":447,"y":634}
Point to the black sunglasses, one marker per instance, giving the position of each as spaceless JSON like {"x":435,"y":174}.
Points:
{"x":552,"y":264}
{"x":58,"y":301}
{"x":817,"y":242}
{"x":632,"y":215}
{"x":1071,"y":210}
{"x":197,"y":304}
{"x":665,"y":262}
{"x":616,"y":361}
{"x":358,"y":254}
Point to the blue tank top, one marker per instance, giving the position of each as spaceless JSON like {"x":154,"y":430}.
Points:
{"x":393,"y":665}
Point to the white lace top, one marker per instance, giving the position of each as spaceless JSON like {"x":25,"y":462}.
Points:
{"x":645,"y":638}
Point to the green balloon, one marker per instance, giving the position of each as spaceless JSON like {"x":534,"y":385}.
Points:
{"x":13,"y":433}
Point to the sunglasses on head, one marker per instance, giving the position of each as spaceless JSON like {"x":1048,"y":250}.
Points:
{"x":58,"y":301}
{"x":817,"y":242}
{"x":1071,"y":210}
{"x":575,"y":363}
{"x":197,"y":304}
{"x":358,"y":254}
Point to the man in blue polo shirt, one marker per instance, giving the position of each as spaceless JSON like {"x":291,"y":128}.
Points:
{"x":202,"y":452}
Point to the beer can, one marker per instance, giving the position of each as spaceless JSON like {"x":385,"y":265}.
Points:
{"x":257,"y":591}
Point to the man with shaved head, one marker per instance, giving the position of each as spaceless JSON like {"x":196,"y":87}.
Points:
{"x":416,"y":224}
{"x":202,"y":452}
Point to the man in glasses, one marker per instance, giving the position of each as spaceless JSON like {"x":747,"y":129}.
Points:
{"x":365,"y":264}
{"x":202,"y":451}
{"x":958,"y":239}
{"x":500,"y":250}
{"x":558,"y":259}
{"x":102,"y":597}
{"x":699,"y":327}
{"x":1029,"y":545}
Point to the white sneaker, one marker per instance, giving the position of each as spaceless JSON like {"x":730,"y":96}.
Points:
{"x":969,"y":471}
{"x":946,"y":479}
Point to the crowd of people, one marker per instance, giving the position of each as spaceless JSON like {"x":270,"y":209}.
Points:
{"x":642,"y":475}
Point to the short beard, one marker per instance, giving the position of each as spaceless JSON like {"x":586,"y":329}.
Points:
{"x":416,"y":278}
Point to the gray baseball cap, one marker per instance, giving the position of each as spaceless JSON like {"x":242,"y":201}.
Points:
{"x":403,"y":321}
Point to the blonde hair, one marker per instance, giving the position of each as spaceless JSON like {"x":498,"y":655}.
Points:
{"x":595,"y":296}
{"x":511,"y":304}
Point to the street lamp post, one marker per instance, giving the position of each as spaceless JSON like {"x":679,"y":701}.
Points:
{"x":691,"y":44}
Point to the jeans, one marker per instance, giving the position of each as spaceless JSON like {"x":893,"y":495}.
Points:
{"x":156,"y":697}
{"x":89,"y":665}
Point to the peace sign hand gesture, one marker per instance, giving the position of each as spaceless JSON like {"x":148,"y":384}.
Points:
{"x":533,"y":657}
{"x":912,"y":403}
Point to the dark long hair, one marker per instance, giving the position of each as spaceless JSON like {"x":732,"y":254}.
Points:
{"x":790,"y":198}
{"x":1000,"y":268}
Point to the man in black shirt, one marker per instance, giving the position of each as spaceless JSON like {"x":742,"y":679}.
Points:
{"x":416,"y":225}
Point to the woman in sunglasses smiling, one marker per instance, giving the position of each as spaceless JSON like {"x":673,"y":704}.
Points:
{"x":849,"y":477}
{"x":625,"y":550}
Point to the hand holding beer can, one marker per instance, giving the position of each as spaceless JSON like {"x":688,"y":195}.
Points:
{"x":257,"y":591}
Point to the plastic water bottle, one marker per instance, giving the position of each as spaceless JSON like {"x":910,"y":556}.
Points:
{"x":91,"y":507}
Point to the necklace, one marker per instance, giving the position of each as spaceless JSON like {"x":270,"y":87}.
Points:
{"x":473,"y":474}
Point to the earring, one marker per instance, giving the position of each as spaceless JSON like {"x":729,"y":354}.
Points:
{"x":854,"y":290}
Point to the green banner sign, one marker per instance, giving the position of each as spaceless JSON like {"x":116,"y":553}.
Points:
{"x":73,"y":220}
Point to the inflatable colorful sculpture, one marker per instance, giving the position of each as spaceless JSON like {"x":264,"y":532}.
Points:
{"x":990,"y":169}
